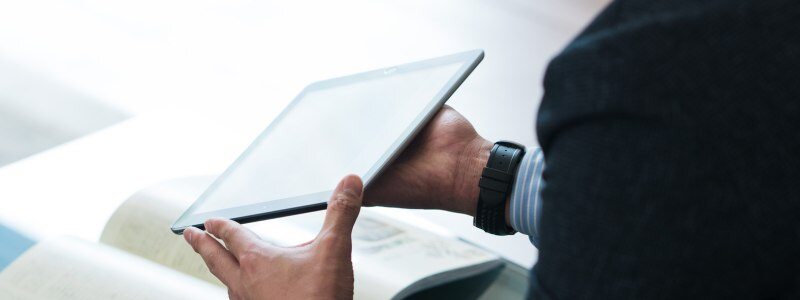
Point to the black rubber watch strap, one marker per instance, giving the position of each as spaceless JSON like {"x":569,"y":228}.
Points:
{"x":495,"y":185}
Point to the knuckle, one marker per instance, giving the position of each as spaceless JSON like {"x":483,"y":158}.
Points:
{"x":213,"y":268}
{"x":205,"y":252}
{"x":196,"y":247}
{"x":252,"y":249}
{"x":211,"y":256}
{"x":251,"y":255}
{"x":247,"y":258}
{"x":250,"y":264}
{"x":249,"y":269}
{"x":223,"y":230}
{"x":344,"y":202}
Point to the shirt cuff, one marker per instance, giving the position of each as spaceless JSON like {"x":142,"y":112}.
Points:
{"x":525,"y":203}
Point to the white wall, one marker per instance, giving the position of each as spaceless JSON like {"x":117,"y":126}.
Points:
{"x":152,"y":54}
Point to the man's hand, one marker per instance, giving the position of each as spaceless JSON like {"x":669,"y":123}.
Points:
{"x":253,"y":269}
{"x":440,"y":169}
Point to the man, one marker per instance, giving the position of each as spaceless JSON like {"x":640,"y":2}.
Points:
{"x":671,"y":135}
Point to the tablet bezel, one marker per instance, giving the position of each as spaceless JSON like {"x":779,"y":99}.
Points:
{"x":318,"y":200}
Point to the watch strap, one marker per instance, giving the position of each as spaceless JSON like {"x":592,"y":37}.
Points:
{"x":495,"y":186}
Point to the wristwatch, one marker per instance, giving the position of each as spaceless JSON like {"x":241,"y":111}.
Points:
{"x":495,"y":186}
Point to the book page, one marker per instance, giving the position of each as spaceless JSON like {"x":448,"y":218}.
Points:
{"x":141,"y":226}
{"x":67,"y":268}
{"x":390,"y":258}
{"x":411,"y":258}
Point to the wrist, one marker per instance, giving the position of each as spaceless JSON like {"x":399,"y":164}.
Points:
{"x":471,"y":161}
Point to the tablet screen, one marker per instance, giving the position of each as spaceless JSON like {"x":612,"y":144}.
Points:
{"x":326,"y":134}
{"x":349,"y":125}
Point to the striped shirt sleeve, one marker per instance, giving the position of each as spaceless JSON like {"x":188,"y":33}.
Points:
{"x":525,"y":202}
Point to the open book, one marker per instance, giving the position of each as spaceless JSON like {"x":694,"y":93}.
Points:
{"x":138,"y":257}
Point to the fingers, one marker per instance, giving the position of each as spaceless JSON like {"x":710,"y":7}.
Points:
{"x":237,"y":238}
{"x":344,"y":205}
{"x":219,"y":261}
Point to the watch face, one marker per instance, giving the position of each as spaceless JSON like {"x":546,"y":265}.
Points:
{"x":511,"y":145}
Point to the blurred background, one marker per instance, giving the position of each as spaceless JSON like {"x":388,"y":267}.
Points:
{"x":68,"y":68}
{"x":72,"y":68}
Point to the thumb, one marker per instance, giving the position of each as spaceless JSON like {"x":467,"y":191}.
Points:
{"x":344,"y":205}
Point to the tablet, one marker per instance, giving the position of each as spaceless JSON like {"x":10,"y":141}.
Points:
{"x":350,"y":125}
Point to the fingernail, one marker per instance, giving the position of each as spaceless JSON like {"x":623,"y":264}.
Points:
{"x":352,"y":185}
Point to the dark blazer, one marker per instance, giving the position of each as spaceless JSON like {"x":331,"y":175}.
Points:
{"x":671,"y":133}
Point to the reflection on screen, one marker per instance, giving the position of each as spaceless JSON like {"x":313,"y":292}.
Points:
{"x":329,"y":133}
